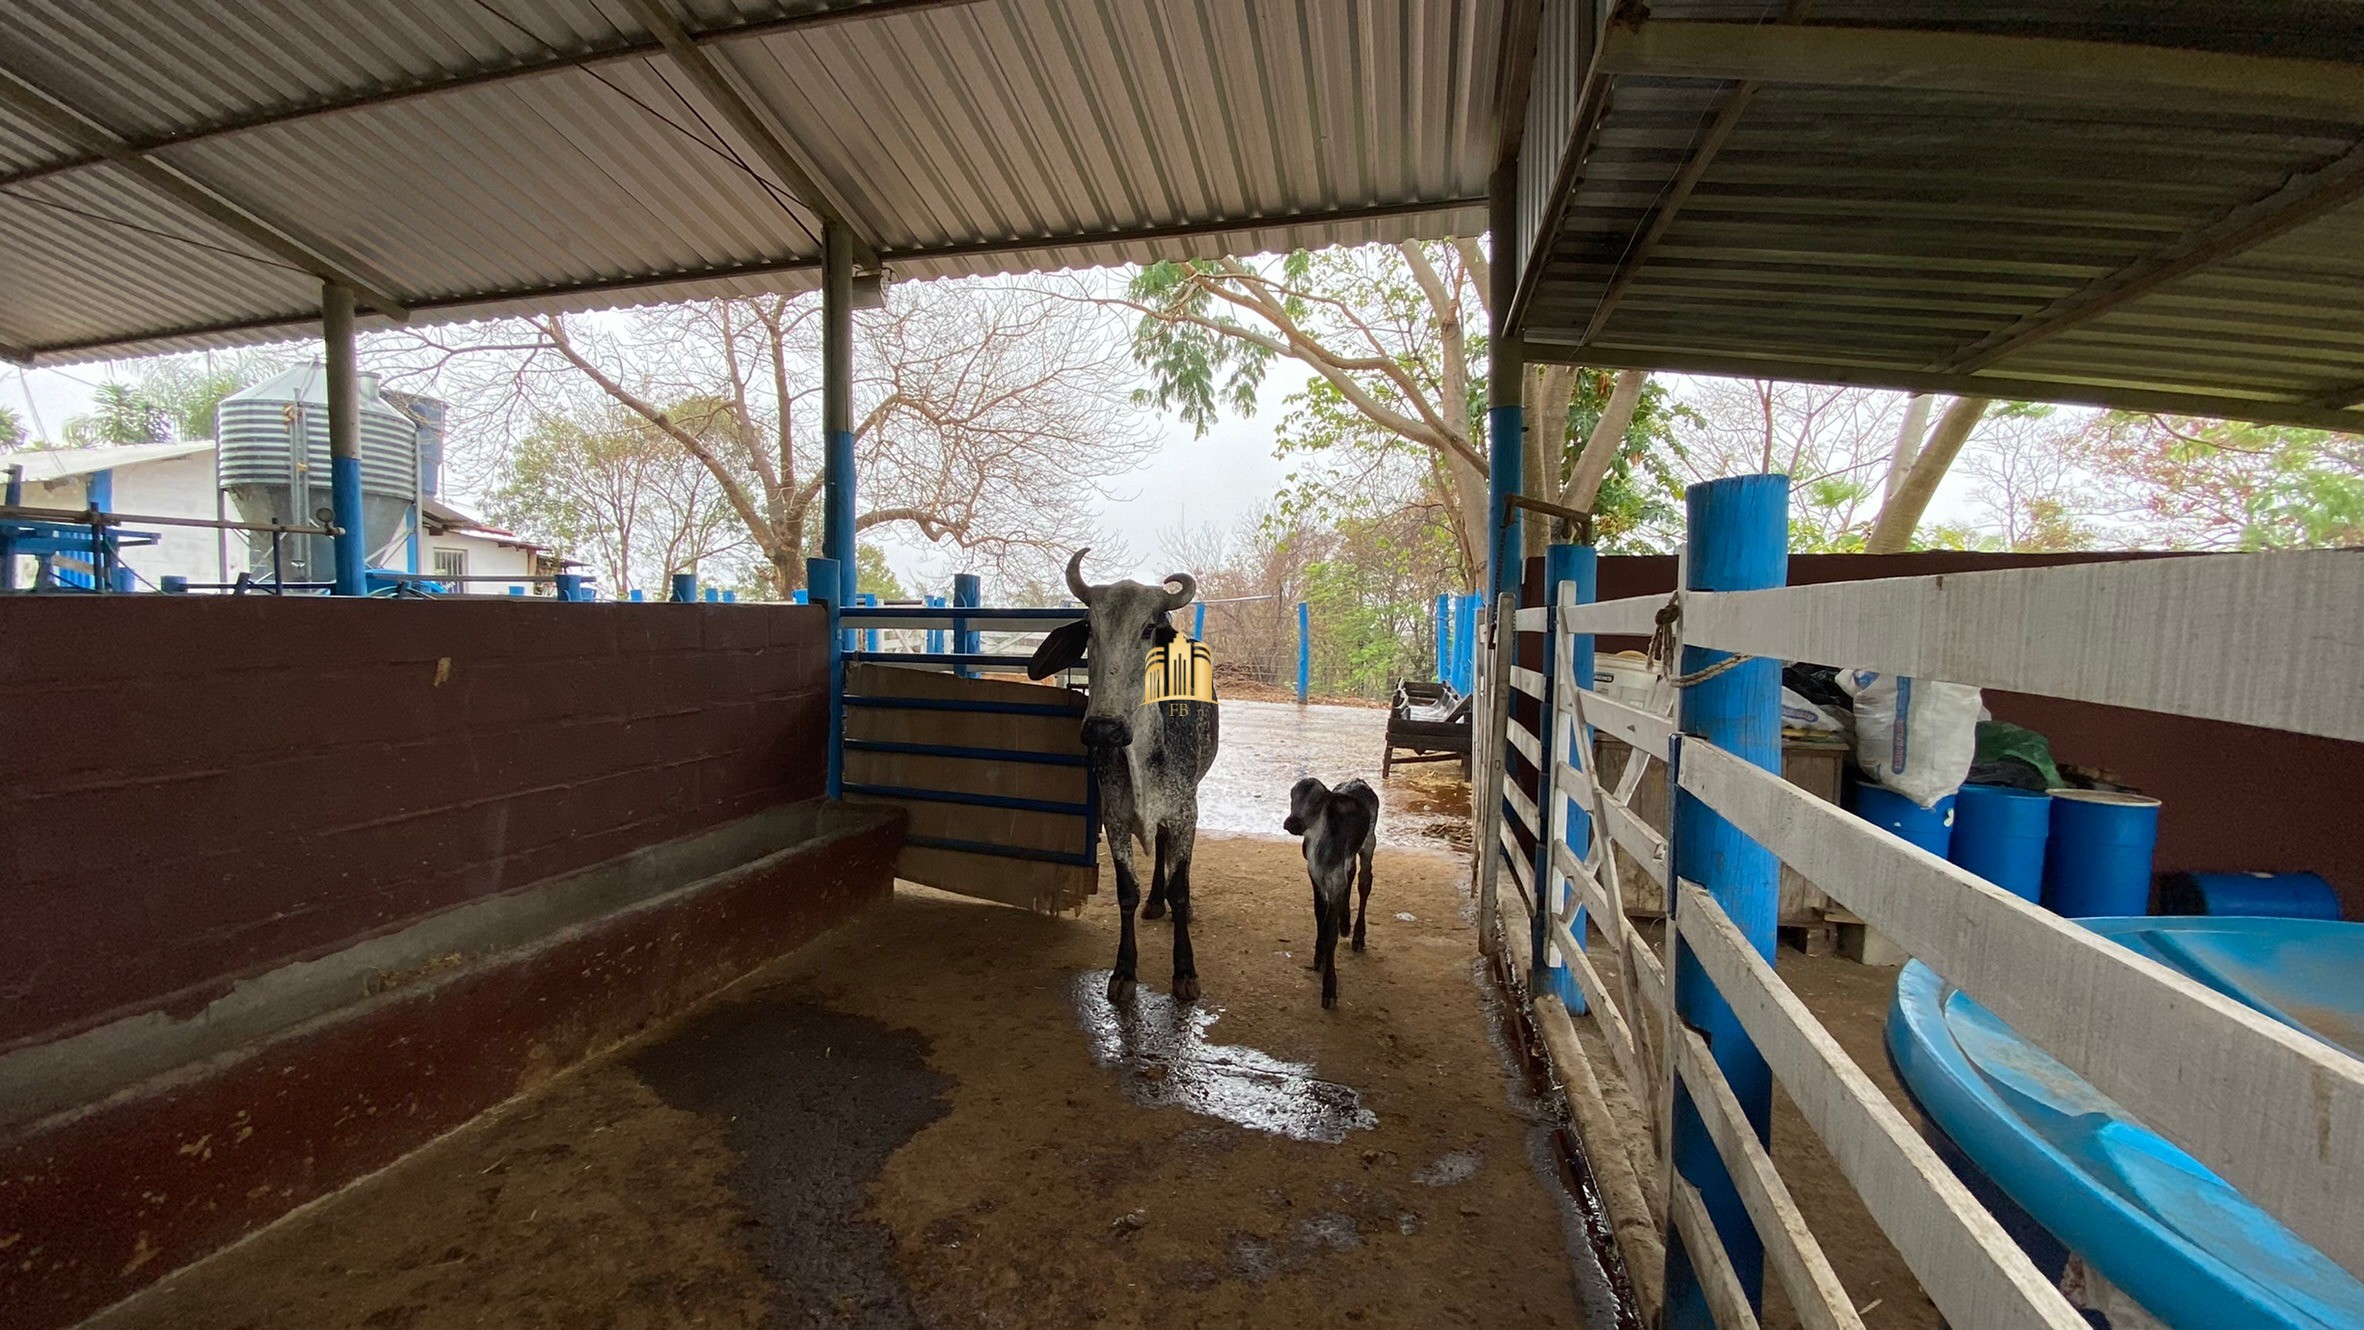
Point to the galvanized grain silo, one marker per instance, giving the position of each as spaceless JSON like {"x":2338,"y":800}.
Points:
{"x":273,"y":449}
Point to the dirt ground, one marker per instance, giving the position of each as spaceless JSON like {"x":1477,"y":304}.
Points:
{"x":931,"y":1117}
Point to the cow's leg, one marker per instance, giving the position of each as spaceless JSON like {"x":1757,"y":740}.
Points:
{"x":1325,"y":947}
{"x":1362,"y":909}
{"x":1128,"y":899}
{"x":1174,"y":849}
{"x":1156,"y":908}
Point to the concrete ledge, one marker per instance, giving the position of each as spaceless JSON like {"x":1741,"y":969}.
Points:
{"x":146,"y":1144}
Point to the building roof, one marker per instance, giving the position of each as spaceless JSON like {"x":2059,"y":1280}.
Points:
{"x":45,"y":464}
{"x":443,"y":517}
{"x":2155,"y":206}
{"x":179,"y":175}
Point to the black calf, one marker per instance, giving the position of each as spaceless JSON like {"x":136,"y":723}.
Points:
{"x":1341,"y":830}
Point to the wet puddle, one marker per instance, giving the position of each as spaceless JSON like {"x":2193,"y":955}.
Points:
{"x":1161,"y":1053}
{"x":1266,"y":746}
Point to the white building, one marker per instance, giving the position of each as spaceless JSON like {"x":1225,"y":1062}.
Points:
{"x":177,"y":480}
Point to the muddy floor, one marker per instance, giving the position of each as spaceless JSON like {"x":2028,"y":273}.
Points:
{"x":932,"y":1117}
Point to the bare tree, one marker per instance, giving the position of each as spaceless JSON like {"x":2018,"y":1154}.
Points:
{"x":988,"y":413}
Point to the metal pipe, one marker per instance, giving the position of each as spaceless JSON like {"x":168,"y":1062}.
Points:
{"x":15,"y":494}
{"x":344,"y":438}
{"x":1737,"y":540}
{"x":1506,"y":419}
{"x":1574,"y":566}
{"x":1304,"y":650}
{"x":968,"y":593}
{"x":81,"y":517}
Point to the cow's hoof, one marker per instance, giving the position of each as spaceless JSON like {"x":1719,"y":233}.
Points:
{"x":1358,"y":944}
{"x":1329,"y":1000}
{"x":1186,"y":988}
{"x":1155,"y":909}
{"x":1120,"y":988}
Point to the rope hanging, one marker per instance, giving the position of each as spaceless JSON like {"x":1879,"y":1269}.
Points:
{"x":1662,"y":648}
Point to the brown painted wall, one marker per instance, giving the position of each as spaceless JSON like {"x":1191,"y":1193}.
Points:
{"x":2236,"y":797}
{"x":202,"y":789}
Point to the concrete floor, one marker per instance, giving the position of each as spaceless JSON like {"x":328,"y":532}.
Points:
{"x":932,"y":1117}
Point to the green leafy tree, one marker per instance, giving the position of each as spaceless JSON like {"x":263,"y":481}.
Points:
{"x":12,"y":429}
{"x":120,"y":415}
{"x":873,"y":577}
{"x":2217,"y":484}
{"x":613,"y":492}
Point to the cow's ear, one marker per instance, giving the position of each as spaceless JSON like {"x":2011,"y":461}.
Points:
{"x":1063,"y":648}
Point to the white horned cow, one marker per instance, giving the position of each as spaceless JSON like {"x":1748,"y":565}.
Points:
{"x":1148,"y":759}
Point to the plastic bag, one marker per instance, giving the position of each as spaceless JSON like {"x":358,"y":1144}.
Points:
{"x":1800,"y":716}
{"x":1915,"y":736}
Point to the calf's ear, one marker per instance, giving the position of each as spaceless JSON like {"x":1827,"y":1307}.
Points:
{"x":1063,"y":648}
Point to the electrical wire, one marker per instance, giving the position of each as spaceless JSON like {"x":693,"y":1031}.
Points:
{"x":87,"y":215}
{"x":717,"y":146}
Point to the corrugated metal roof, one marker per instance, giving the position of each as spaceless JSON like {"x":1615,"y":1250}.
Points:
{"x":487,"y":156}
{"x":1882,"y":216}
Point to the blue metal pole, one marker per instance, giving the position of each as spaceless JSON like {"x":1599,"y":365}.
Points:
{"x":819,"y":576}
{"x":344,"y":439}
{"x":172,"y":584}
{"x":712,"y":595}
{"x":869,"y":635}
{"x":935,"y":640}
{"x":1198,"y":621}
{"x":570,"y":586}
{"x":685,"y":588}
{"x":1304,"y":650}
{"x":638,"y":595}
{"x":14,"y":493}
{"x":968,"y":593}
{"x":1443,"y":633}
{"x":1738,"y":541}
{"x":837,"y":411}
{"x":1506,"y":428}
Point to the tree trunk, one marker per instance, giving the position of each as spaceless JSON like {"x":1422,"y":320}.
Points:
{"x":1608,"y":434}
{"x":1901,"y":515}
{"x":1908,"y":441}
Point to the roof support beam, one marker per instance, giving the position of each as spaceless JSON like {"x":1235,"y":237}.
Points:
{"x":2337,"y":398}
{"x":287,"y":242}
{"x":2024,"y":69}
{"x":1678,"y":191}
{"x":720,"y":87}
{"x":2300,"y":200}
{"x":15,"y":355}
{"x":2312,"y":412}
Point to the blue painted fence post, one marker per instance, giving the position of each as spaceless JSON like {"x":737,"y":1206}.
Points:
{"x":1304,"y":650}
{"x":869,"y":635}
{"x":1444,"y":639}
{"x":821,"y":580}
{"x":935,"y":639}
{"x":638,"y":596}
{"x":968,"y":593}
{"x":1198,"y":621}
{"x":173,"y":584}
{"x":570,"y":586}
{"x":685,"y":588}
{"x":1738,"y":540}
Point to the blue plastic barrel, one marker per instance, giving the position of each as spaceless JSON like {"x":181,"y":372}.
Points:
{"x":2098,"y":860}
{"x":2282,"y":895}
{"x":1930,"y":828}
{"x":1999,"y":834}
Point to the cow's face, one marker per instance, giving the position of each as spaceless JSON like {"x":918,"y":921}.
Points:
{"x":1122,"y":621}
{"x":1306,"y":798}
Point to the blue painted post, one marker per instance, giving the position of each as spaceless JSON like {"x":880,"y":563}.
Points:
{"x":1738,"y":541}
{"x":638,"y":595}
{"x":935,"y":641}
{"x":106,"y":571}
{"x":344,"y":439}
{"x":968,"y":592}
{"x":837,"y":411}
{"x":14,"y":493}
{"x":799,"y":598}
{"x":685,"y":588}
{"x":711,"y":595}
{"x":570,"y":586}
{"x":1465,"y":641}
{"x":1304,"y":650}
{"x":172,"y":584}
{"x":517,"y":591}
{"x":820,"y":576}
{"x":1198,"y":621}
{"x":869,"y":635}
{"x":729,"y":597}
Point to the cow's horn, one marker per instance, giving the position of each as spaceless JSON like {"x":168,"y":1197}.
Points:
{"x":1177,"y":599}
{"x":1075,"y":582}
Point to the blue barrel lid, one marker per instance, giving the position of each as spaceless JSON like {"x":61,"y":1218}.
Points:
{"x":2147,"y":1216}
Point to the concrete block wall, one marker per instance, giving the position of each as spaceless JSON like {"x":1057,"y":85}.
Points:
{"x":201,"y":789}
